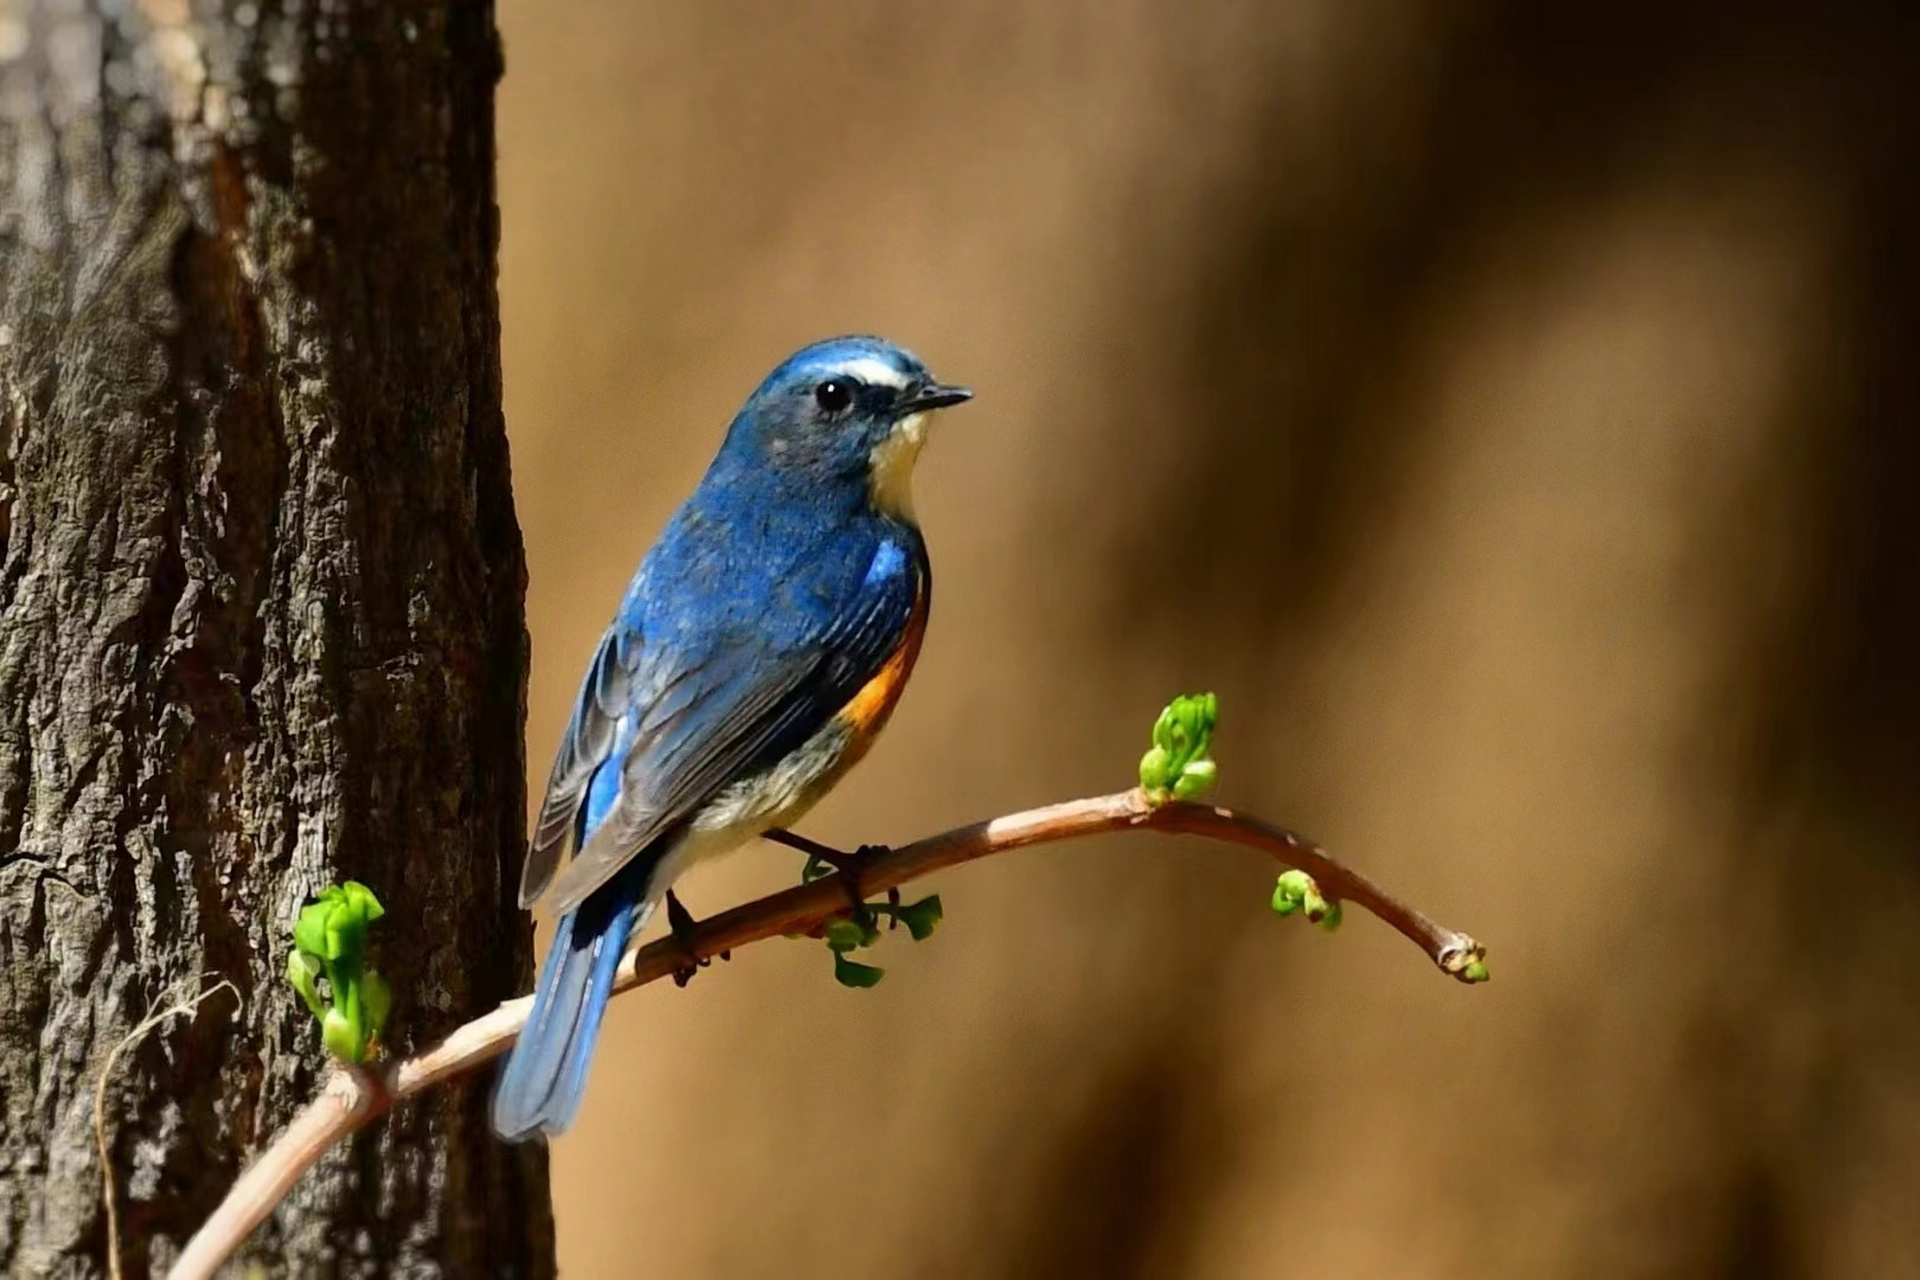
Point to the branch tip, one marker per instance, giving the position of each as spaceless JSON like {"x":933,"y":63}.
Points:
{"x":1465,"y":959}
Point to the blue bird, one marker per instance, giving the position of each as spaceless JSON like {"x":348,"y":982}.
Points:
{"x":757,"y":652}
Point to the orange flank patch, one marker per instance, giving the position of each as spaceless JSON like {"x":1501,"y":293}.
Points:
{"x":868,"y":710}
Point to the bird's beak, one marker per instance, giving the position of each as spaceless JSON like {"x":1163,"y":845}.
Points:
{"x":934,"y":396}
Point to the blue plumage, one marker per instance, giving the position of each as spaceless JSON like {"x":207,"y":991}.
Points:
{"x":760,"y":646}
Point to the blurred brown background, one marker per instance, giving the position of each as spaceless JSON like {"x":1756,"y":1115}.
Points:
{"x":1504,"y":406}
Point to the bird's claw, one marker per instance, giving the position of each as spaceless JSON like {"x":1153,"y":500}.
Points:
{"x":848,"y":865}
{"x":681,"y":924}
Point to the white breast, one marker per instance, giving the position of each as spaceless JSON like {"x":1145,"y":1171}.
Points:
{"x":779,"y":797}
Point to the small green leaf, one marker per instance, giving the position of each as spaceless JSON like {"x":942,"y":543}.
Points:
{"x":921,"y":917}
{"x":1164,"y":728}
{"x":353,"y":908}
{"x":303,"y":971}
{"x":851,"y":973}
{"x":862,"y":927}
{"x":310,"y":930}
{"x":376,"y":1000}
{"x":359,"y":899}
{"x":1476,"y":971}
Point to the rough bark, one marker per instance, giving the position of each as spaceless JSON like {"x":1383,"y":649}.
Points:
{"x":260,"y":611}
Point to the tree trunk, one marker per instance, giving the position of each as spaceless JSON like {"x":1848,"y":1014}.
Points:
{"x":260,"y":612}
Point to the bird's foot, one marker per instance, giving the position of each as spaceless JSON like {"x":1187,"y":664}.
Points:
{"x":820,"y":856}
{"x":680,"y":925}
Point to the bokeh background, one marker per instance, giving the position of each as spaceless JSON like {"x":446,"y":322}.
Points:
{"x":1507,"y":408}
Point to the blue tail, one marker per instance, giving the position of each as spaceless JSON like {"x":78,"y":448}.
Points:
{"x":546,"y":1073}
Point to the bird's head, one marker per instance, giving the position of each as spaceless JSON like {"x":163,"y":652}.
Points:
{"x":848,"y":412}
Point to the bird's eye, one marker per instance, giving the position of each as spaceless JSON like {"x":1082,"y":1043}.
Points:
{"x":833,"y":395}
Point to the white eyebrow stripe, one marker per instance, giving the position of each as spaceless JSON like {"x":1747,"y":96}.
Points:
{"x":875,"y":373}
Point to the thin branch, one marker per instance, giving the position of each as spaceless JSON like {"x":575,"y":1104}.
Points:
{"x":353,"y":1097}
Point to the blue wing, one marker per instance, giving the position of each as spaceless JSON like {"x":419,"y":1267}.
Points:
{"x":585,"y":747}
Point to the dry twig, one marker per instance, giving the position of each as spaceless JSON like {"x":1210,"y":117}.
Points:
{"x":109,"y":1182}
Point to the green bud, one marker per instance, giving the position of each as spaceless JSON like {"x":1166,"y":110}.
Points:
{"x":342,"y":1040}
{"x":330,"y":941}
{"x":851,"y":973}
{"x":1177,"y":766}
{"x":845,"y":935}
{"x":1290,"y":893}
{"x":1156,"y":771}
{"x":1296,"y":891}
{"x":1476,"y":971}
{"x":1195,"y":778}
